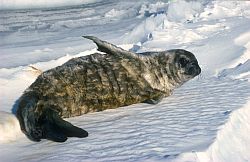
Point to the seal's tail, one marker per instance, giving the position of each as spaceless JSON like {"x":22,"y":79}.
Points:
{"x":44,"y":123}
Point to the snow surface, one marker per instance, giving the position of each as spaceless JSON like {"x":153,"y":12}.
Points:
{"x":28,"y":4}
{"x":205,"y":120}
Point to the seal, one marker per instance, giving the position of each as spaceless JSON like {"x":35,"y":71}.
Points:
{"x":98,"y":82}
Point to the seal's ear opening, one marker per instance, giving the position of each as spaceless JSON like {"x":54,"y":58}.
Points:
{"x":57,"y":129}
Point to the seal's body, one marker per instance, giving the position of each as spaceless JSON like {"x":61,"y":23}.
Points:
{"x":98,"y":82}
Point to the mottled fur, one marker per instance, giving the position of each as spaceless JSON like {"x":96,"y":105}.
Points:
{"x":98,"y":82}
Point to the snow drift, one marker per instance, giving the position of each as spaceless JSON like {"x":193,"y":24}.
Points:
{"x":233,"y":140}
{"x":231,"y":143}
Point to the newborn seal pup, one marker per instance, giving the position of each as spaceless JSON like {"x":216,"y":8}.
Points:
{"x":97,"y":82}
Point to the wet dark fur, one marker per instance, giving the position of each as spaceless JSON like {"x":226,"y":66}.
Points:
{"x":95,"y":83}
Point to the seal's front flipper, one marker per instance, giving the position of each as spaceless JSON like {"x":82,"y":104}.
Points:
{"x":103,"y":46}
{"x":109,"y":48}
{"x":57,"y":129}
{"x":154,"y":100}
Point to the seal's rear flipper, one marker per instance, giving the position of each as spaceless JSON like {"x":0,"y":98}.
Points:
{"x":70,"y":130}
{"x":54,"y":134}
{"x":57,"y":129}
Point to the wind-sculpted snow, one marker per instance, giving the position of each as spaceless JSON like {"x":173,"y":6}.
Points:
{"x":231,"y":143}
{"x":187,"y":120}
{"x":233,"y":134}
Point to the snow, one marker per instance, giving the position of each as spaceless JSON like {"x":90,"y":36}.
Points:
{"x":207,"y":119}
{"x":189,"y":10}
{"x":9,"y":127}
{"x":27,"y":4}
{"x":45,"y":34}
{"x":241,"y":71}
{"x":236,"y":131}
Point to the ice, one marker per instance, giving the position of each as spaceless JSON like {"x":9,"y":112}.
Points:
{"x":207,"y":119}
{"x":189,"y":10}
{"x":142,"y":32}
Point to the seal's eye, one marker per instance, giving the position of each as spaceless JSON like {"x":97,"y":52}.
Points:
{"x":183,"y":62}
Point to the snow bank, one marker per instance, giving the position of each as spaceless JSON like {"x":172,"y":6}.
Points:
{"x":233,"y":140}
{"x":155,"y":14}
{"x":9,"y":127}
{"x":230,"y":145}
{"x":243,"y":40}
{"x":142,"y":32}
{"x":224,"y":9}
{"x":241,"y":71}
{"x":166,"y":15}
{"x":21,"y":4}
{"x":189,"y":10}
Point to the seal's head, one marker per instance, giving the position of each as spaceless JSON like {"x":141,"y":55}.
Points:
{"x":180,"y":66}
{"x":187,"y":64}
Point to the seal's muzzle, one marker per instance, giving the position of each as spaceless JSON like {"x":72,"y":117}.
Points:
{"x":193,"y":69}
